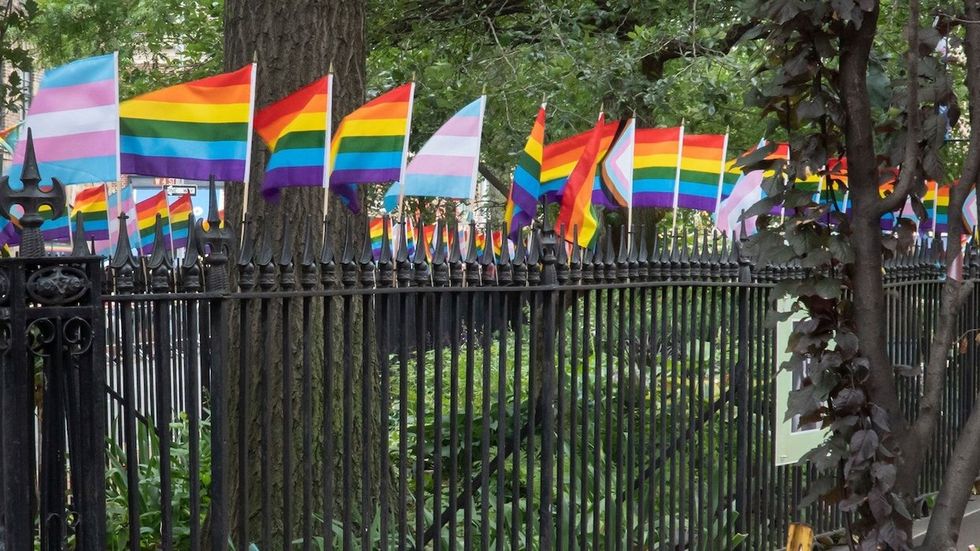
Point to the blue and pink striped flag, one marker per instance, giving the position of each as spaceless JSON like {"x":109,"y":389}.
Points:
{"x":446,"y":165}
{"x":74,"y":118}
{"x":746,"y":192}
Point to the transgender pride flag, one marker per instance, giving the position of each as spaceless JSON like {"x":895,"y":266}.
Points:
{"x":446,"y":165}
{"x":74,"y":118}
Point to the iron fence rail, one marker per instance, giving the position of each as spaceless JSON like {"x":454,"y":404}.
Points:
{"x":607,"y":398}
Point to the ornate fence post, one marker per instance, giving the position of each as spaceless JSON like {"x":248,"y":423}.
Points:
{"x":215,"y":242}
{"x":50,"y":320}
{"x":546,"y":241}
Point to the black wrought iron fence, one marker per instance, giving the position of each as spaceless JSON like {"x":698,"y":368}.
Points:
{"x":617,"y":397}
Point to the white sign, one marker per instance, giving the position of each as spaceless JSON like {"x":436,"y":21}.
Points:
{"x":793,"y":440}
{"x":175,"y":189}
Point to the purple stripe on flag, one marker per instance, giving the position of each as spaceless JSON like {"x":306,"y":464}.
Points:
{"x":654,"y":199}
{"x":178,"y":167}
{"x":76,"y":146}
{"x":521,"y":219}
{"x":524,"y":200}
{"x":364,"y":176}
{"x":292,"y":176}
{"x":79,"y":96}
{"x":442,"y":165}
{"x":696,"y":202}
{"x":460,"y":125}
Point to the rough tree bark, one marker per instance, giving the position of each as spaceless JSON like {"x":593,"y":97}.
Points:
{"x":295,"y":42}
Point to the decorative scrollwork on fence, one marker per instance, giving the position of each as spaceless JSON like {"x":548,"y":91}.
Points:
{"x":57,"y":285}
{"x":77,"y":335}
{"x":40,"y":334}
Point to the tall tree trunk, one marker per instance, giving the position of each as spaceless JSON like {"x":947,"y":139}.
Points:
{"x":294,"y":42}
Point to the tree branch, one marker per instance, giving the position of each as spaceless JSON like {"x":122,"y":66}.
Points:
{"x":652,"y":65}
{"x":965,"y":463}
{"x":494,"y":180}
{"x":907,"y":177}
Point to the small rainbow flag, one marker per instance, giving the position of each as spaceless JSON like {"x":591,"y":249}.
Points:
{"x":410,"y":237}
{"x":54,"y":229}
{"x":560,"y":158}
{"x":92,"y":206}
{"x":180,"y":210}
{"x":377,"y":234}
{"x":193,"y":130}
{"x":522,"y":202}
{"x":122,"y":201}
{"x":576,"y":213}
{"x":295,"y":129}
{"x":702,"y":171}
{"x":146,"y":216}
{"x":371,"y":143}
{"x":9,"y":137}
{"x":658,"y":152}
{"x":940,"y":210}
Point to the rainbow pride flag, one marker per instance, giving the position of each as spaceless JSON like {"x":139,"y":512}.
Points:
{"x":560,"y":158}
{"x":295,"y":129}
{"x":74,"y":118}
{"x":446,"y":165}
{"x":180,"y":210}
{"x":525,"y":187}
{"x":92,"y":206}
{"x":9,"y":137}
{"x":122,"y":201}
{"x":410,"y":237}
{"x":377,"y":234}
{"x":658,"y":151}
{"x":576,"y":211}
{"x":371,"y":143}
{"x":146,"y":216}
{"x":54,"y":229}
{"x":936,"y":202}
{"x":702,"y":171}
{"x":193,"y":130}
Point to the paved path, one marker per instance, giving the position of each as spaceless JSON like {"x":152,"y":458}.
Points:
{"x":969,"y":530}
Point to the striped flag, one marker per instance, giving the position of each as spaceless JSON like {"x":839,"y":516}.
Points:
{"x":746,"y":192}
{"x":559,"y":159}
{"x":447,"y":164}
{"x":576,"y":213}
{"x":658,"y":151}
{"x":9,"y":137}
{"x":617,"y":168}
{"x":180,"y":210}
{"x":371,"y":143}
{"x":295,"y":129}
{"x":970,"y":211}
{"x":74,"y":119}
{"x":119,"y":201}
{"x":193,"y":130}
{"x":92,"y":206}
{"x":522,"y":202}
{"x":146,"y":215}
{"x":702,"y":171}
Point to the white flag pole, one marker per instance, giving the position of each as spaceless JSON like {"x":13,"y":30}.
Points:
{"x":476,"y":163}
{"x":328,"y":143}
{"x":631,"y":126}
{"x":677,"y":176}
{"x":721,"y":176}
{"x":408,"y":132}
